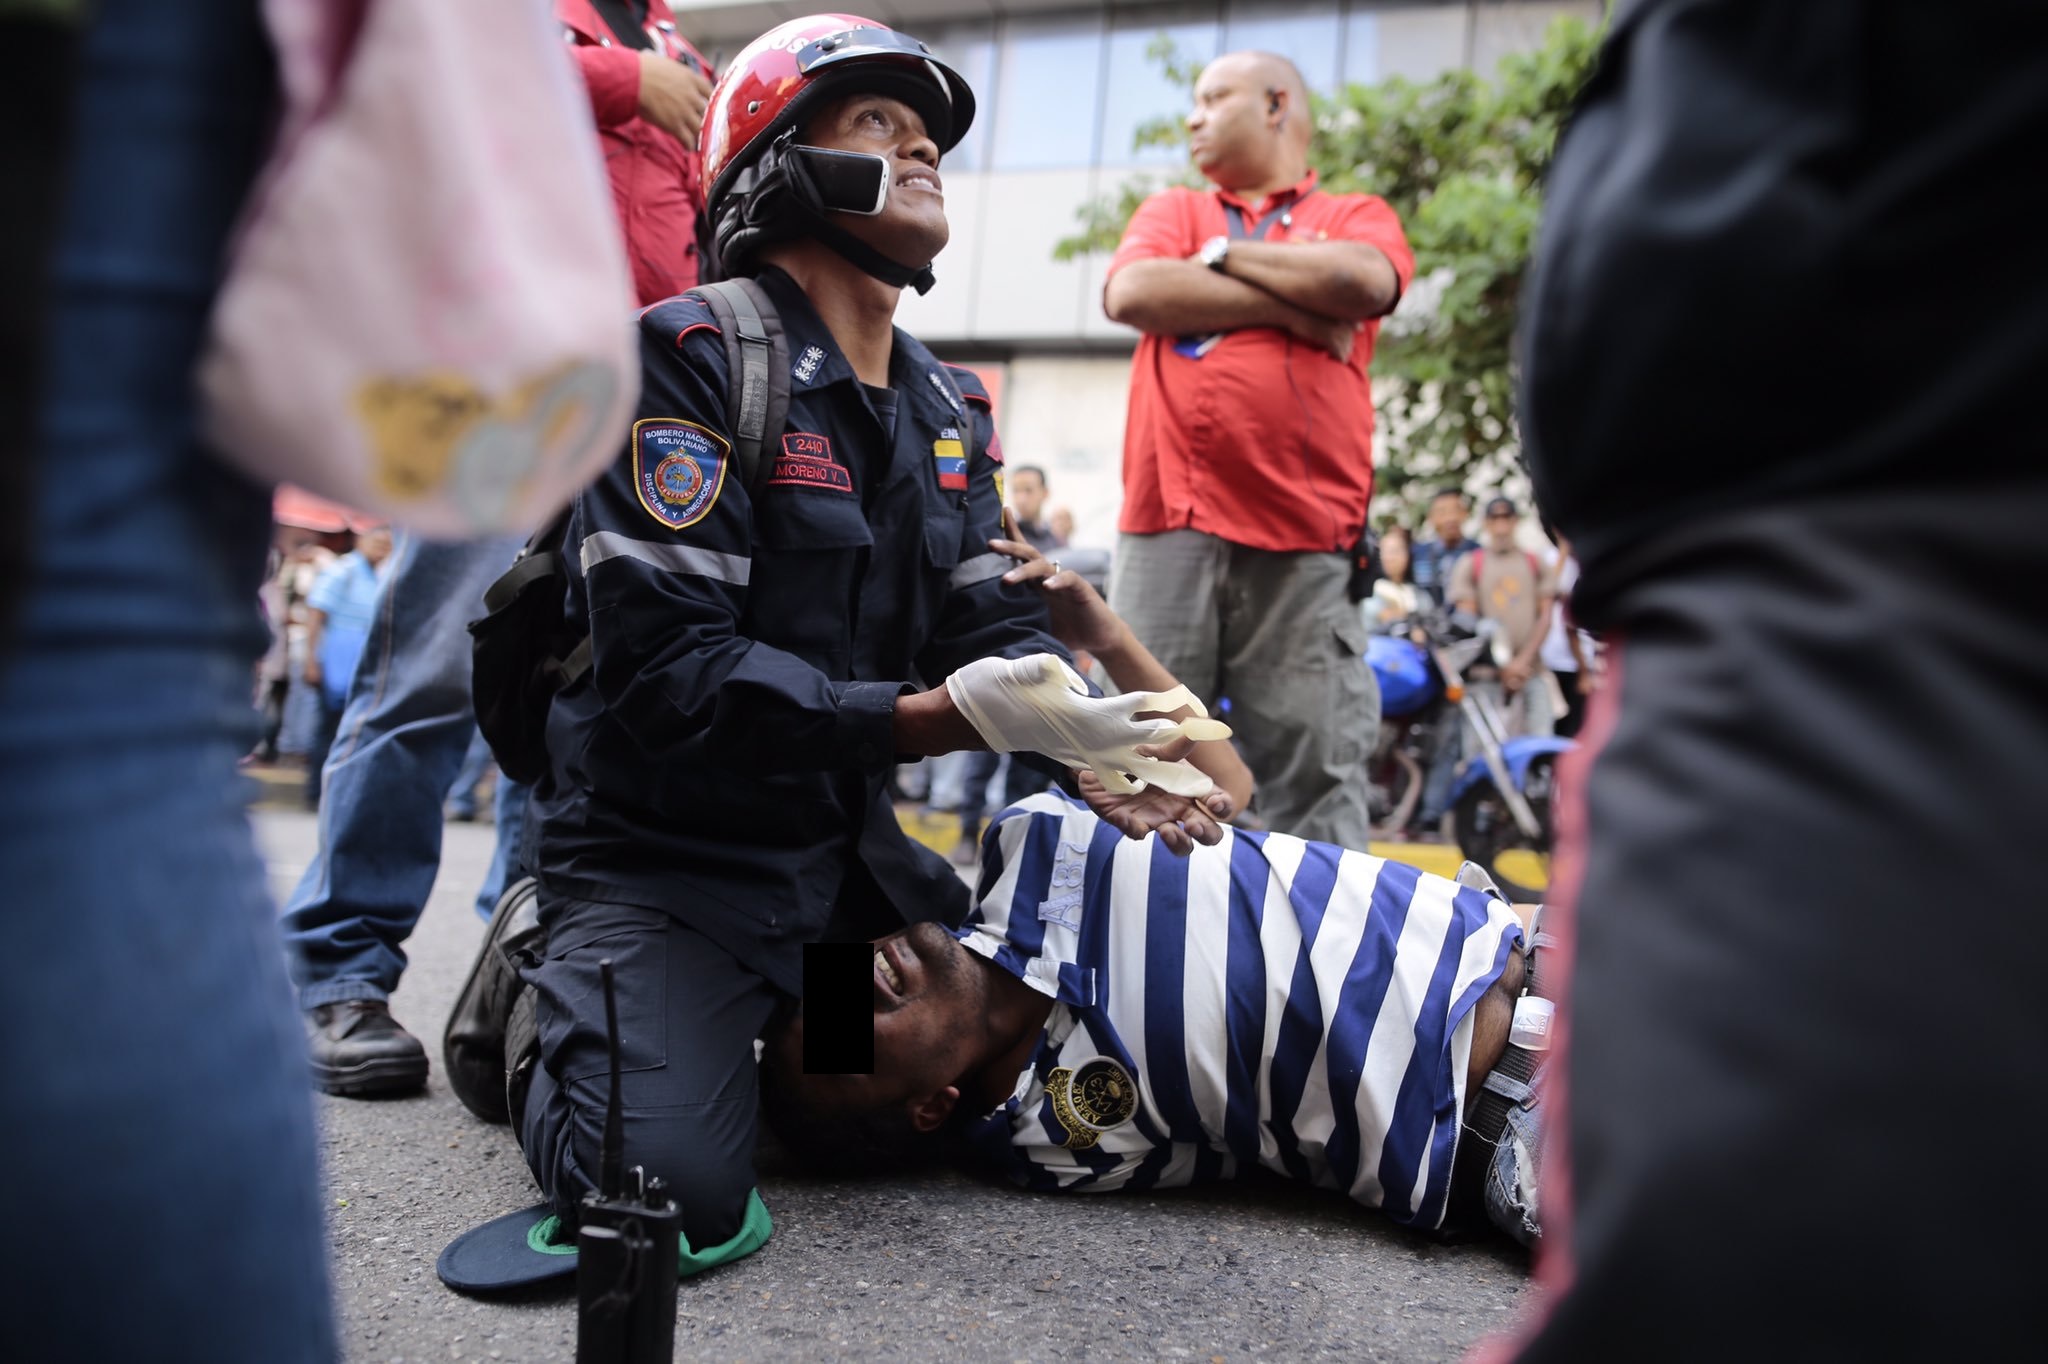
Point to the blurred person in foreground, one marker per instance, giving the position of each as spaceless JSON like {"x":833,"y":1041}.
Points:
{"x":1797,"y":847}
{"x":1085,"y":1031}
{"x":410,"y":718}
{"x":160,"y":1144}
{"x":1248,"y":450}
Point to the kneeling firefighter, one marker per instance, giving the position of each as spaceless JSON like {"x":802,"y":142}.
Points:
{"x":778,"y":577}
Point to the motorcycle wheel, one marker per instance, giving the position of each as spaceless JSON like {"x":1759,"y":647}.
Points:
{"x":1488,"y":836}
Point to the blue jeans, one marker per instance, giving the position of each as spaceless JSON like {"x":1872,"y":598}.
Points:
{"x":462,"y":791}
{"x":1446,"y":754}
{"x":403,"y":736}
{"x":163,"y":1185}
{"x":327,"y":723}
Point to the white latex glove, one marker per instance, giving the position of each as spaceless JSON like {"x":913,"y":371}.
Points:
{"x":1040,"y":705}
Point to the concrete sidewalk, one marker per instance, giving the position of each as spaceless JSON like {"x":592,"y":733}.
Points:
{"x":939,"y":1267}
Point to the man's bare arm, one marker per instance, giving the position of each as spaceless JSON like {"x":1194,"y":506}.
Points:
{"x":1184,"y":298}
{"x":1343,"y":281}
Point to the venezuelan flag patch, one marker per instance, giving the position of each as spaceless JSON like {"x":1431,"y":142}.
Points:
{"x":949,"y":457}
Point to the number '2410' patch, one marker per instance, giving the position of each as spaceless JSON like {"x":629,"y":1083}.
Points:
{"x":678,"y":469}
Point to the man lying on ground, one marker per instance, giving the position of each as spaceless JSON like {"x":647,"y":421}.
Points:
{"x":1111,"y":1016}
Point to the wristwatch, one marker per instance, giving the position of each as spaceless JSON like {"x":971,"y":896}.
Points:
{"x":1213,"y":253}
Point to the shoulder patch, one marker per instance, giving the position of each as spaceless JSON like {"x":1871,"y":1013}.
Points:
{"x":806,"y":367}
{"x":678,"y":469}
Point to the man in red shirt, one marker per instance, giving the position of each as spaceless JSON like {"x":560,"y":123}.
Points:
{"x":648,"y":88}
{"x":1248,"y":449}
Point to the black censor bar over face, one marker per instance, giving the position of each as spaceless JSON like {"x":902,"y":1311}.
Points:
{"x":839,"y":1008}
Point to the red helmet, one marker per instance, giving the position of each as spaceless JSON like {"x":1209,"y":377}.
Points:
{"x":776,"y":80}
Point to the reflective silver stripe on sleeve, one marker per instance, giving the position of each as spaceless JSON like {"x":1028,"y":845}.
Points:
{"x":980,"y":569}
{"x":705,"y":563}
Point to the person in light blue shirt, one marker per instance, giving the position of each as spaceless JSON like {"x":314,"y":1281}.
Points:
{"x":339,"y":610}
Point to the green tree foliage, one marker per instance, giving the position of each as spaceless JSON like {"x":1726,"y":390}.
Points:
{"x":1461,"y":158}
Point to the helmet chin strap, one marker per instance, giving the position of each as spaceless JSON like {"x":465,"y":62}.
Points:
{"x":865,"y":257}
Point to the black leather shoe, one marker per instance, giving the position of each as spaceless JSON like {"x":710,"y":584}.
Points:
{"x":473,"y":1048}
{"x":359,"y":1050}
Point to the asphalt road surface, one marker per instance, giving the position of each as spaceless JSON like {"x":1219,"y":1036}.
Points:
{"x":941,"y":1267}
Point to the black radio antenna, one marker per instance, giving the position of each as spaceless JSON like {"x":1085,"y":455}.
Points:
{"x":611,"y":1177}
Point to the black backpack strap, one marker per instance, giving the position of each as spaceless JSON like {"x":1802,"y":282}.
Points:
{"x":576,"y":664}
{"x":539,"y":557}
{"x":757,"y":354}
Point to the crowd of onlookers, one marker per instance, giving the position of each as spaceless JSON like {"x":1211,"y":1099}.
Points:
{"x":1544,"y":669}
{"x":318,"y":599}
{"x":1547,"y":667}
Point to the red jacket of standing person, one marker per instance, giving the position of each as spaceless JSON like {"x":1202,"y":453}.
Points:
{"x":656,"y":181}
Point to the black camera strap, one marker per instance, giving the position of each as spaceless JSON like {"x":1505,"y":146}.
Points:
{"x":1279,"y":213}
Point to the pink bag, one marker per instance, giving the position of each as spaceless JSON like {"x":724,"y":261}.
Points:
{"x":428,"y":315}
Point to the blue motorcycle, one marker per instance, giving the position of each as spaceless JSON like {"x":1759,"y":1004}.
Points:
{"x":1501,"y":796}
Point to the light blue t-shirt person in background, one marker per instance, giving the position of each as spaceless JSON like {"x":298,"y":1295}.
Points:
{"x":339,"y":610}
{"x":340,"y":607}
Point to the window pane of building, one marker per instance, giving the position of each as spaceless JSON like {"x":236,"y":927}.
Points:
{"x":1419,"y":42}
{"x":1499,"y":29}
{"x":1305,"y":34}
{"x":1048,"y":89}
{"x":1139,"y":91}
{"x":970,"y":49}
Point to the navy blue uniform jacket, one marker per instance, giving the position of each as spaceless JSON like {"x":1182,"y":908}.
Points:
{"x":726,"y":757}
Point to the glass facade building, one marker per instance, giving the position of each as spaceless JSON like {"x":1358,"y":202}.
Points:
{"x":1062,"y":90}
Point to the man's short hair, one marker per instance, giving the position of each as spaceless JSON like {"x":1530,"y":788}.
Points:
{"x":1031,"y":469}
{"x":1459,"y":493}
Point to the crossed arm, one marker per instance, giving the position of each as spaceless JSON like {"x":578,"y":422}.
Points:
{"x":1319,"y":291}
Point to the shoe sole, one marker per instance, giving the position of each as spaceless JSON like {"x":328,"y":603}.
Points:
{"x":385,"y":1075}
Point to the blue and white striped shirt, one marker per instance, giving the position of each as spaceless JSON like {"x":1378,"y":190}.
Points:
{"x":1267,"y":1000}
